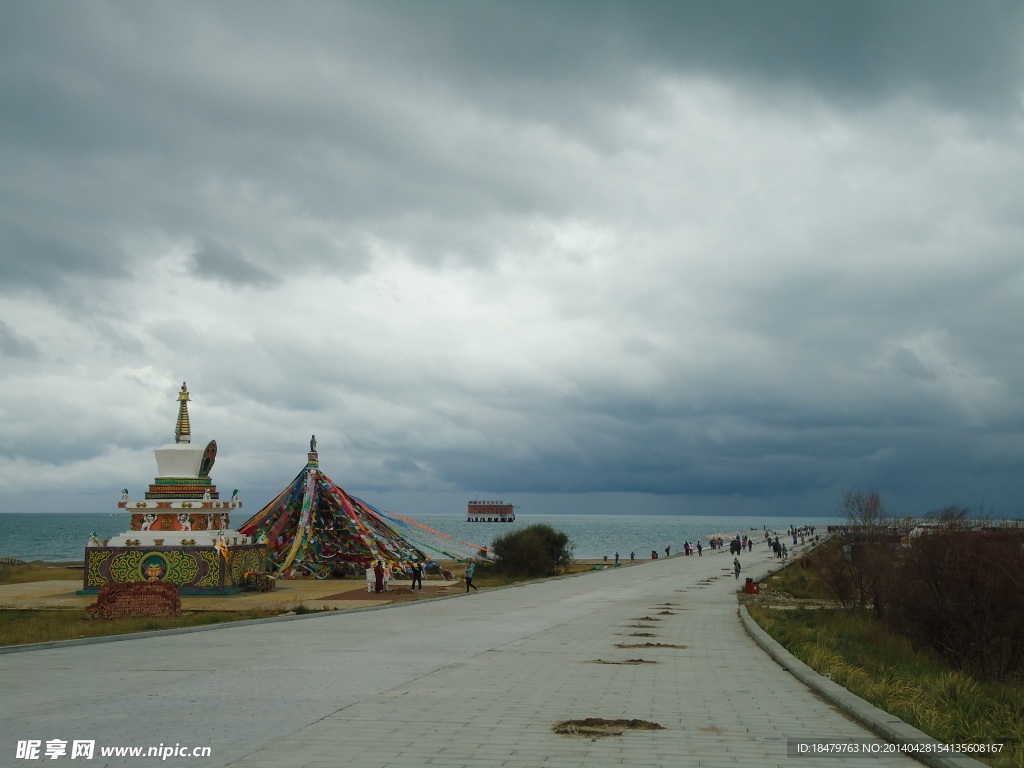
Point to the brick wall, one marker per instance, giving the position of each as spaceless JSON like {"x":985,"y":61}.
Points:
{"x":137,"y":598}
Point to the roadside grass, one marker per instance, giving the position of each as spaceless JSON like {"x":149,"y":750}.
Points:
{"x":885,"y":669}
{"x":486,"y":576}
{"x":796,"y":581}
{"x":22,"y":574}
{"x":581,"y":566}
{"x":20,"y":627}
{"x":799,"y":578}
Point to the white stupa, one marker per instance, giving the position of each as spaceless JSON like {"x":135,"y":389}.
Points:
{"x":182,"y":506}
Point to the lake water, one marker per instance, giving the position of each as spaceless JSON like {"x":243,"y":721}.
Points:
{"x":62,"y":537}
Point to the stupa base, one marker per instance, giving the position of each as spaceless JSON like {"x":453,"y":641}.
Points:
{"x":196,"y":570}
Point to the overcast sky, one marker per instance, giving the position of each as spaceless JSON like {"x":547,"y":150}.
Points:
{"x":675,"y":257}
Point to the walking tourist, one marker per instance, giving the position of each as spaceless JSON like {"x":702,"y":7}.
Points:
{"x":417,"y":576}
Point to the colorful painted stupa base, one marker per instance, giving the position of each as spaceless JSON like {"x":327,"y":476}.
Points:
{"x":196,"y":570}
{"x":180,"y":532}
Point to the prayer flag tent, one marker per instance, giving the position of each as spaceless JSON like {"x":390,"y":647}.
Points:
{"x":314,"y":527}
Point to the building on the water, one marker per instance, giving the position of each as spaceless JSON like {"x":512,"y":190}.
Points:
{"x":490,"y":512}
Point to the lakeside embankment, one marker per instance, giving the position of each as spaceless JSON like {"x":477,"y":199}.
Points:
{"x":62,"y":537}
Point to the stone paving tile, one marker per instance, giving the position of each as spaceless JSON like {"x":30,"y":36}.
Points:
{"x":475,"y":681}
{"x":722,"y":701}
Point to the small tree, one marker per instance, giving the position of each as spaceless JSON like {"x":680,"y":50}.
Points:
{"x":537,"y":550}
{"x":835,"y":573}
{"x":865,"y":510}
{"x":871,"y":548}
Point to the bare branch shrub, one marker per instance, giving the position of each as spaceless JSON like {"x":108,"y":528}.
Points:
{"x":835,"y":575}
{"x":962,"y":594}
{"x":863,"y":576}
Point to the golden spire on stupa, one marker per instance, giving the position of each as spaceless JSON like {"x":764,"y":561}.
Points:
{"x":182,"y":430}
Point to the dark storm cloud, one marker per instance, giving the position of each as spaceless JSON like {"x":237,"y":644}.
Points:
{"x":962,"y":54}
{"x":33,"y":252}
{"x":711,"y":249}
{"x":274,"y":104}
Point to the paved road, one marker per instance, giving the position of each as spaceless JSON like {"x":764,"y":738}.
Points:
{"x":476,"y":680}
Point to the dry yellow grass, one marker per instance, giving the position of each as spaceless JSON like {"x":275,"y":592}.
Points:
{"x":22,"y":627}
{"x":23,"y":574}
{"x":865,"y":657}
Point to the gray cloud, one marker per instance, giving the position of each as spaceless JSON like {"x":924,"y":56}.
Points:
{"x":13,"y":344}
{"x":945,"y":50}
{"x":752,"y":254}
{"x":213,"y":260}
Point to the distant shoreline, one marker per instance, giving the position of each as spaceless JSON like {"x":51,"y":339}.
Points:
{"x":62,"y":537}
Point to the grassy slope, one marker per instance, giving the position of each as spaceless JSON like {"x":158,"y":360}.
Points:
{"x":19,"y":627}
{"x":23,"y":574}
{"x":885,"y":669}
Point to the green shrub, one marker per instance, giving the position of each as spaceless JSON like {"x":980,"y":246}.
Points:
{"x":537,"y":550}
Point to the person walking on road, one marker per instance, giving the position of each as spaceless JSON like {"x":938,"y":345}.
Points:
{"x":470,"y":570}
{"x":417,"y":576}
{"x":736,"y":566}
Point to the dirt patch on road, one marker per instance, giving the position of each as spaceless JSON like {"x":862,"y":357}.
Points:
{"x":597,"y":727}
{"x":649,"y":645}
